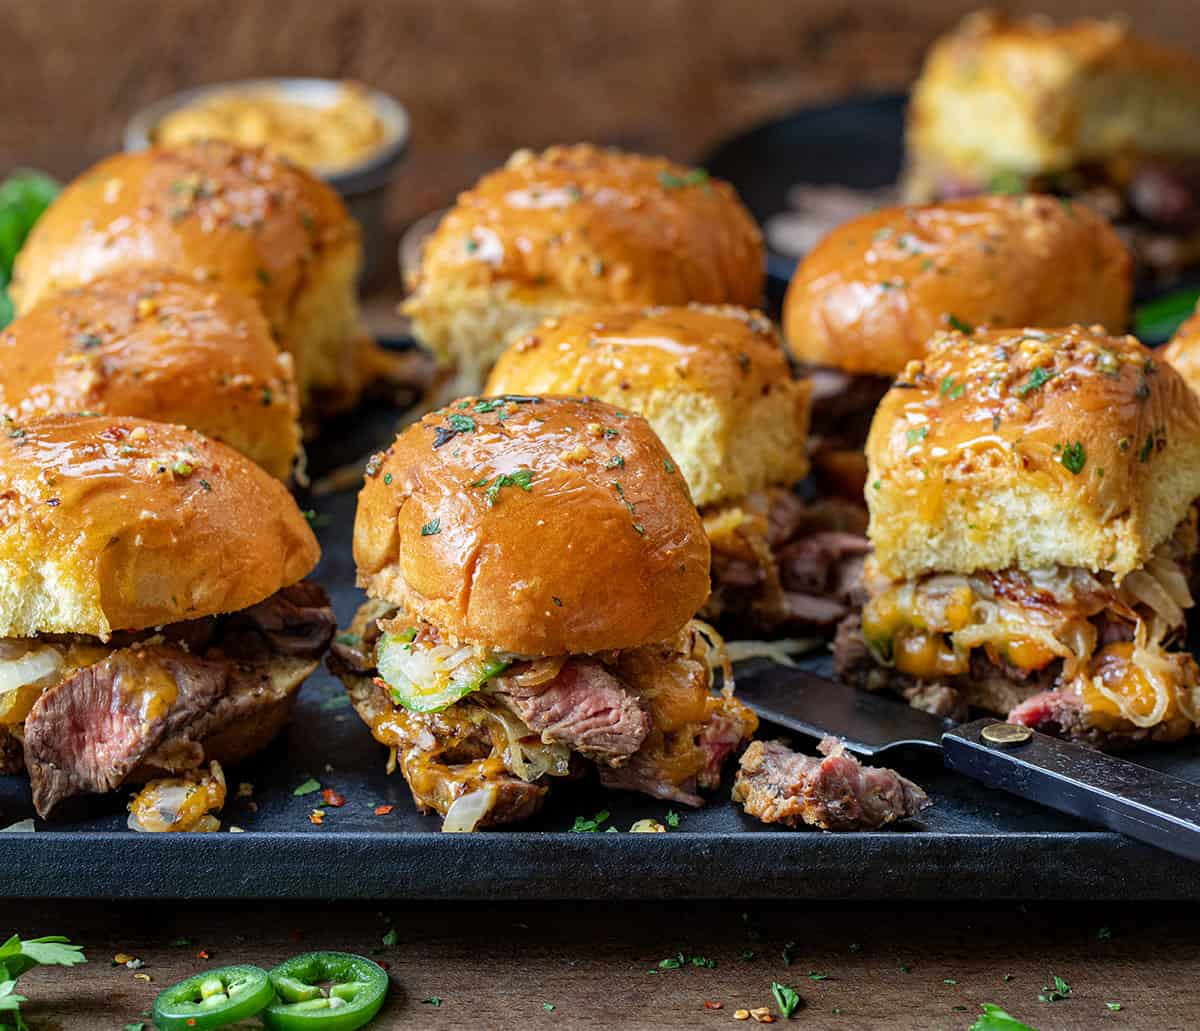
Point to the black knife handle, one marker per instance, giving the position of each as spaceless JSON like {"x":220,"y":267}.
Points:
{"x":1153,"y":807}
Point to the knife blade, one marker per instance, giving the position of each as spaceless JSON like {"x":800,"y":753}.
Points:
{"x":1153,"y":807}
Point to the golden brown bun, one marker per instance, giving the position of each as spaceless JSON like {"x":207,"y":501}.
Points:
{"x":156,"y":346}
{"x":1183,"y":352}
{"x":874,"y":291}
{"x":979,"y":461}
{"x":999,"y":96}
{"x":121,"y":524}
{"x":713,"y":382}
{"x":572,"y":227}
{"x":604,"y":550}
{"x":223,"y":214}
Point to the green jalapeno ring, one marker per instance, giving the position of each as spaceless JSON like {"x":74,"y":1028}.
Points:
{"x":357,"y":988}
{"x":213,"y":999}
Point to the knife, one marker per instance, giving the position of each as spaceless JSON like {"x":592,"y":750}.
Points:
{"x":1152,"y":807}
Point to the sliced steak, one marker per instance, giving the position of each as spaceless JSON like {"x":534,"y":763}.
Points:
{"x":296,"y":621}
{"x":584,"y":707}
{"x":87,"y":733}
{"x":843,"y":405}
{"x":642,"y":775}
{"x":1062,"y":714}
{"x":835,"y":793}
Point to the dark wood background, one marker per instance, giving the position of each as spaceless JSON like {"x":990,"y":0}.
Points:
{"x":481,"y":77}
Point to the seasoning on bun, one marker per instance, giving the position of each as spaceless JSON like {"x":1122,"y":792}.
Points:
{"x":223,"y":215}
{"x":153,"y":612}
{"x":571,"y":227}
{"x":155,"y":345}
{"x":533,"y":565}
{"x":715,"y":385}
{"x":1031,"y":496}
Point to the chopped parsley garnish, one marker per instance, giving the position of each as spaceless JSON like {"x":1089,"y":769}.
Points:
{"x":996,"y":1019}
{"x":616,"y":462}
{"x":917,"y":434}
{"x":307,"y":788}
{"x":263,"y":275}
{"x":182,"y":469}
{"x":787,"y":999}
{"x":432,"y":1000}
{"x":816,"y":975}
{"x":672,"y":818}
{"x":583,"y":825}
{"x":949,"y":980}
{"x":951,"y":389}
{"x":391,"y":937}
{"x":954,"y":322}
{"x":89,"y":341}
{"x":434,"y":526}
{"x":1114,"y":1006}
{"x":205,"y":485}
{"x":461,"y":423}
{"x":1147,"y":449}
{"x":1059,"y":991}
{"x":548,"y":1007}
{"x":521,"y":478}
{"x":1074,"y":457}
{"x":668,"y":465}
{"x":1038,"y":378}
{"x":671,"y":181}
{"x":788,"y":953}
{"x":557,"y":601}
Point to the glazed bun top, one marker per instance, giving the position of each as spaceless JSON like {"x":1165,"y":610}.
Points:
{"x":155,"y":345}
{"x":599,"y":226}
{"x":121,"y":524}
{"x":211,"y":211}
{"x":713,"y":382}
{"x":1183,"y":352}
{"x":539,"y":526}
{"x":1031,"y":449}
{"x":871,"y":294}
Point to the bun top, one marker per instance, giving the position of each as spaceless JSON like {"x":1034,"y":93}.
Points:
{"x":1031,"y":448}
{"x":872,"y":293}
{"x":1183,"y":352}
{"x":600,"y":226}
{"x":155,"y":345}
{"x":714,"y":383}
{"x":211,"y":211}
{"x":121,"y":524}
{"x":533,"y":525}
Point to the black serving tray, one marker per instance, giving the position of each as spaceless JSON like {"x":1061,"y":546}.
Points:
{"x":974,"y":843}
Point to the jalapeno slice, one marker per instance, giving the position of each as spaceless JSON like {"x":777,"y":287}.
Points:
{"x":325,"y":991}
{"x":213,"y":999}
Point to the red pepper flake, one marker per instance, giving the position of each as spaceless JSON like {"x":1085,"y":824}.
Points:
{"x":203,"y":954}
{"x":712,"y":1005}
{"x":317,"y":817}
{"x":384,"y":810}
{"x":332,"y":798}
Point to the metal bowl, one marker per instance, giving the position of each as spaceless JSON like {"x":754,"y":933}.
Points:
{"x":363,"y":186}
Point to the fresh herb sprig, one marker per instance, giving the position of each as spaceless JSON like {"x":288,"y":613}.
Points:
{"x":18,"y":957}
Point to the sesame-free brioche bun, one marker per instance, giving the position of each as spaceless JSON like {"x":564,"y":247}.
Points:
{"x":999,"y":96}
{"x":1031,"y":449}
{"x":221,"y":214}
{"x":713,"y":382}
{"x":872,"y":293}
{"x":113,"y":523}
{"x":1183,"y":352}
{"x":158,"y":346}
{"x":540,"y":526}
{"x":577,"y":226}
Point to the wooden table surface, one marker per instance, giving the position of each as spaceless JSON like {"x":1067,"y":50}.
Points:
{"x":504,"y":966}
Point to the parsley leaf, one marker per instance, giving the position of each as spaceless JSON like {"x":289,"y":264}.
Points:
{"x":521,"y":478}
{"x":954,"y":322}
{"x":1056,"y":994}
{"x":432,"y":1000}
{"x":995,"y":1019}
{"x":1114,"y":1006}
{"x":787,"y":999}
{"x":583,"y":825}
{"x":461,"y":423}
{"x":1074,"y":457}
{"x":1038,"y":378}
{"x":917,"y":434}
{"x":434,"y":526}
{"x":672,"y":818}
{"x":391,"y":937}
{"x":307,"y":788}
{"x":951,"y":389}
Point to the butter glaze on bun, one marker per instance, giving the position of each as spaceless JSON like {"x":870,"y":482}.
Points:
{"x":121,"y":524}
{"x":226,"y":215}
{"x":871,"y":294}
{"x":577,"y":226}
{"x":713,"y":382}
{"x":161,"y":347}
{"x":1031,"y":449}
{"x":540,"y":526}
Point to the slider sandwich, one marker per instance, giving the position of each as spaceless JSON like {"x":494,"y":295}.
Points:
{"x":1032,"y":513}
{"x":231,"y":217}
{"x":154,"y":618}
{"x":158,"y":346}
{"x":533,"y":566}
{"x":865,"y":301}
{"x":573,"y":227}
{"x":1183,"y":352}
{"x":715,"y":385}
{"x":1087,"y":110}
